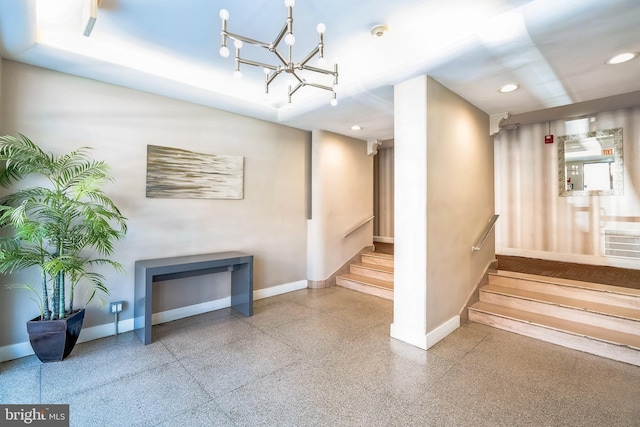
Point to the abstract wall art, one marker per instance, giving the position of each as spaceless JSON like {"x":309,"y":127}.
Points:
{"x":183,"y":174}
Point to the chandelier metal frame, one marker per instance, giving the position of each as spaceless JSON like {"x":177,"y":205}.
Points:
{"x":287,"y":65}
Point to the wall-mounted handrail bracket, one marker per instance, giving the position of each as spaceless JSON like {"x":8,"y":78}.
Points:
{"x":478,"y":245}
{"x":352,"y":229}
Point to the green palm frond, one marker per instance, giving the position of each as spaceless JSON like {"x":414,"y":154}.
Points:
{"x":22,"y":158}
{"x":37,"y":298}
{"x":59,"y":226}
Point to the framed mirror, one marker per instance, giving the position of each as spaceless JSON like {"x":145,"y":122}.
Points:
{"x":590,"y":164}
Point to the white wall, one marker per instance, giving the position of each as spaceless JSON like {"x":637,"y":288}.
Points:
{"x":61,"y":112}
{"x":443,"y":200}
{"x":342,"y":197}
{"x":535,"y":221}
{"x":410,"y":216}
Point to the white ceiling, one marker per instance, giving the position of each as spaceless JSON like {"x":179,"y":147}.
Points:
{"x":555,"y":50}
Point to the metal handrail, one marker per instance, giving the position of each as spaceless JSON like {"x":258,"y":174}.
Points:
{"x":351,"y":230}
{"x":485,"y":234}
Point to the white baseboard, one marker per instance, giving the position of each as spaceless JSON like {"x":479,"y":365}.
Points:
{"x":16,"y":351}
{"x":101,"y":331}
{"x":421,"y":340}
{"x":278,"y":290}
{"x":188,"y":311}
{"x":442,"y":331}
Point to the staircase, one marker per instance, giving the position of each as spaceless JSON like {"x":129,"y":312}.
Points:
{"x":599,"y":319}
{"x":373,"y":275}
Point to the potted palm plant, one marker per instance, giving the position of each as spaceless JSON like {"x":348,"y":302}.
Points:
{"x":64,"y":228}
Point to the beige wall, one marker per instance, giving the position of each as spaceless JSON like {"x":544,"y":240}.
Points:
{"x":460,"y":201}
{"x":342,"y":197}
{"x":383,"y":193}
{"x":61,"y":112}
{"x":443,"y":200}
{"x":535,"y":221}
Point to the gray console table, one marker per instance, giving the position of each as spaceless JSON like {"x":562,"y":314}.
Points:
{"x":156,"y":270}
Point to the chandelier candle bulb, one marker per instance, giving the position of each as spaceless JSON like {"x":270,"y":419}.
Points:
{"x":224,"y":50}
{"x":290,"y":39}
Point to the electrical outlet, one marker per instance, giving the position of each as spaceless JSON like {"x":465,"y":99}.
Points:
{"x":115,"y":307}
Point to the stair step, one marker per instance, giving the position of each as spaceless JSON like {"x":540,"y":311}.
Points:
{"x":368,"y":280}
{"x":622,"y":319}
{"x":604,"y":342}
{"x":368,"y":285}
{"x":375,"y":271}
{"x":594,"y":292}
{"x":377,"y":258}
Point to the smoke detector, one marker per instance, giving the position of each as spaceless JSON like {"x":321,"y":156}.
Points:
{"x":379,"y":30}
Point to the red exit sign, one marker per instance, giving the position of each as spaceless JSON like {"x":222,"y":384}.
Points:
{"x":607,"y":151}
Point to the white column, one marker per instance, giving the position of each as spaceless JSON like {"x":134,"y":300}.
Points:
{"x":410,"y":271}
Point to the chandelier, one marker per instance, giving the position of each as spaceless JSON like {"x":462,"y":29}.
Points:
{"x":285,"y":65}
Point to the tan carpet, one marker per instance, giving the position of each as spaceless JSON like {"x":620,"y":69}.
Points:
{"x":627,"y":278}
{"x":384,"y":248}
{"x":606,"y":275}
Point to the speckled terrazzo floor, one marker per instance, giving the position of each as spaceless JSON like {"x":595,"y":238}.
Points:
{"x":324,"y":358}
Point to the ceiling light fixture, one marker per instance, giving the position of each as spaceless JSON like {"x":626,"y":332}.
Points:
{"x":287,"y":65}
{"x":356,"y":127}
{"x":508,"y":88}
{"x":623,"y":57}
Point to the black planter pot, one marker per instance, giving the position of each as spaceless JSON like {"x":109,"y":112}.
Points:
{"x":53,"y":340}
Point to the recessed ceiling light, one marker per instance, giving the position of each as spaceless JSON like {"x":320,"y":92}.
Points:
{"x":356,"y":127}
{"x":508,"y":88}
{"x":623,"y":57}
